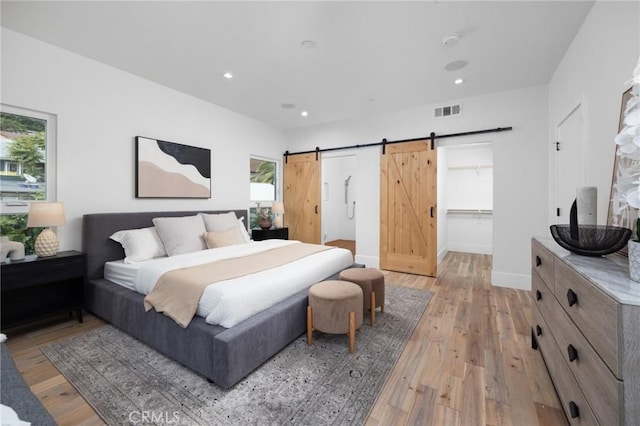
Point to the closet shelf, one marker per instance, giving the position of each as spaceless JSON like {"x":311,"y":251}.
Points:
{"x":469,"y":211}
{"x":479,"y":166}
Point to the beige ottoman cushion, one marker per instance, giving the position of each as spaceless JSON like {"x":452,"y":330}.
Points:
{"x":370,"y":279}
{"x":332,"y":301}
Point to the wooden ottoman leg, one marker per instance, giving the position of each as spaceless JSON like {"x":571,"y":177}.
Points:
{"x":352,"y":332}
{"x":373,"y":308}
{"x":309,"y":325}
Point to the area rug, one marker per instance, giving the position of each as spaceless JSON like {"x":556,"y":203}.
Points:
{"x":127,"y":382}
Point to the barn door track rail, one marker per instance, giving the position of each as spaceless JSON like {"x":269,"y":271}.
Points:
{"x":385,"y":142}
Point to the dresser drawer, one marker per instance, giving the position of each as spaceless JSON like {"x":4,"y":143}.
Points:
{"x":595,"y":313}
{"x":542,"y":333}
{"x":602,"y":390}
{"x":573,"y":402}
{"x":542,"y":296}
{"x":542,"y":262}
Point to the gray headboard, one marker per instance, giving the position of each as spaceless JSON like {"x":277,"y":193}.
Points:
{"x":98,"y":227}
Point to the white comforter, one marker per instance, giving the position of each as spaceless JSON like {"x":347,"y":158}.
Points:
{"x":229,"y":302}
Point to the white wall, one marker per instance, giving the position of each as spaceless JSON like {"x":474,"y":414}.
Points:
{"x":520,"y":167}
{"x":336,"y":168}
{"x":101,"y":109}
{"x":593,"y":72}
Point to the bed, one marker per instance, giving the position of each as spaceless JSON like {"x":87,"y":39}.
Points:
{"x":222,"y":355}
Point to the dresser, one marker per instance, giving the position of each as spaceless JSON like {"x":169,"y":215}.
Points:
{"x":586,"y":324}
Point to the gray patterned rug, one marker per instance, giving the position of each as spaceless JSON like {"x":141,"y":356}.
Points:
{"x":129,"y":383}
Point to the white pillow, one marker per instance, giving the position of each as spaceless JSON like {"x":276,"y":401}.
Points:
{"x":140,"y":244}
{"x":181,"y":234}
{"x":243,"y":230}
{"x":230,"y":237}
{"x":218,"y":222}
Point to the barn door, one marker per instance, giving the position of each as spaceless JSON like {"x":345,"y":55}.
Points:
{"x":302,"y":197}
{"x":408,"y":238}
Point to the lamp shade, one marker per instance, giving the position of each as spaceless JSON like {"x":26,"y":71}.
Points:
{"x":277,"y":207}
{"x":45,"y":214}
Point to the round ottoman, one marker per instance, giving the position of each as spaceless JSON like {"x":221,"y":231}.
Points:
{"x":335,"y":307}
{"x":371,"y":281}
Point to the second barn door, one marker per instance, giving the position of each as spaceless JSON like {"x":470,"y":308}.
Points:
{"x":408,"y":223}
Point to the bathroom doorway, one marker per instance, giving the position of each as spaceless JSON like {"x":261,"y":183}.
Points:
{"x":339,"y":186}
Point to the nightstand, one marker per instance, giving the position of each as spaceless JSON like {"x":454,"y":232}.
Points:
{"x":37,"y":287}
{"x":270,"y":234}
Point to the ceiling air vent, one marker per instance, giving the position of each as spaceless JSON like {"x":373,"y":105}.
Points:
{"x":447,"y":111}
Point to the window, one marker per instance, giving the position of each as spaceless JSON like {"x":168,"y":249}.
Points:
{"x":27,"y":168}
{"x":262,"y":185}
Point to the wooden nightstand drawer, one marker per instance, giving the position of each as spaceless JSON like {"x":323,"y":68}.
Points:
{"x":542,"y":262}
{"x":41,"y":272}
{"x":270,"y":234}
{"x":603,"y":391}
{"x":595,"y":313}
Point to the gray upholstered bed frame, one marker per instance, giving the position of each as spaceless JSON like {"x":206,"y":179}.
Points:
{"x":224,"y":356}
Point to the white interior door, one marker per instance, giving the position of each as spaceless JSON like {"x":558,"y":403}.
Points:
{"x":570,"y":162}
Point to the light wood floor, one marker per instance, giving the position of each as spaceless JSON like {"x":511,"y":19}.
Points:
{"x":469,"y":362}
{"x":347,"y":244}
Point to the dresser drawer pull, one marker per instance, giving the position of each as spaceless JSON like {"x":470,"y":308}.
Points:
{"x":538,"y":261}
{"x":573,"y":353}
{"x":538,"y":295}
{"x":574,"y":411}
{"x":538,"y":330}
{"x":572,"y":298}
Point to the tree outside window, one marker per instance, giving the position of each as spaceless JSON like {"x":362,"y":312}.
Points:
{"x":23,"y":172}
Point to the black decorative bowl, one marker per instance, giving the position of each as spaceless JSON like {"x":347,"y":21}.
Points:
{"x":593,"y":240}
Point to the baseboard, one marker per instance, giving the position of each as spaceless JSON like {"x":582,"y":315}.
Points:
{"x":369,"y":261}
{"x":471,"y":248}
{"x":441,"y":255}
{"x":506,"y":279}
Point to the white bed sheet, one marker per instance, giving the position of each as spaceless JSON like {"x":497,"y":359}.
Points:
{"x":121,"y":273}
{"x":231,"y":301}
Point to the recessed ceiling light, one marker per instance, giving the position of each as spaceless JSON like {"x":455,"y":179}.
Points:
{"x":451,"y":40}
{"x":227,"y":75}
{"x":308,"y":44}
{"x":458,"y":81}
{"x":288,"y":105}
{"x":455,"y":65}
{"x":304,"y":113}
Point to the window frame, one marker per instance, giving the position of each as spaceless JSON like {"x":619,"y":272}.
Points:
{"x":276,"y":183}
{"x":51,"y":159}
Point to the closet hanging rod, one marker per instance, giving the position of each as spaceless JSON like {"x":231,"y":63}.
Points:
{"x":386,"y":142}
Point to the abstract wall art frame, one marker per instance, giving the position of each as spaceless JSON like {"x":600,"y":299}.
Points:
{"x":628,"y":216}
{"x":171,"y":170}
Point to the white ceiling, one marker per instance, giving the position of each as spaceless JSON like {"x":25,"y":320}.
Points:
{"x":370,"y":57}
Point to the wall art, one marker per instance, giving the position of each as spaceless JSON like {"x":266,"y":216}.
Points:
{"x":171,"y":170}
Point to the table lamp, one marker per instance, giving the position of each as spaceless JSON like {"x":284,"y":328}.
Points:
{"x":277,"y":208}
{"x":45,"y":215}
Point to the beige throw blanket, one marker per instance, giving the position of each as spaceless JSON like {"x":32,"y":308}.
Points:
{"x":178,"y":292}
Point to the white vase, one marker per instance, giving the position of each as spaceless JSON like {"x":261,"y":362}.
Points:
{"x":634,"y":260}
